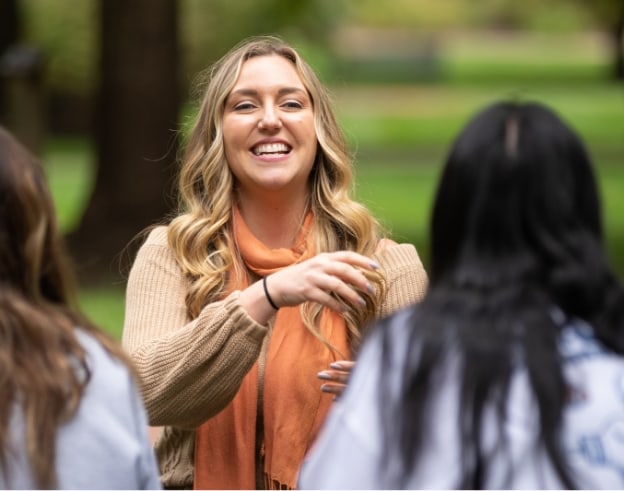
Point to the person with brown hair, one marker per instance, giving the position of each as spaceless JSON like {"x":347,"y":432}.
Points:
{"x":70,"y":412}
{"x":269,"y":273}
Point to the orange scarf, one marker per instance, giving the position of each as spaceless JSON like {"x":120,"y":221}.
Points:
{"x":294,"y":407}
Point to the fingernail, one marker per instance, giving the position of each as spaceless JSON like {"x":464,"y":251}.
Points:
{"x":336,"y":365}
{"x":370,"y":288}
{"x":374,"y":265}
{"x":325,"y":388}
{"x":361,"y":301}
{"x":324,"y":375}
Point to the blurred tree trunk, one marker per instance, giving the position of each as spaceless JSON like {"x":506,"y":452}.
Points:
{"x":10,"y":26}
{"x":136,"y":134}
{"x":10,"y":34}
{"x":610,"y":16}
{"x":618,"y":40}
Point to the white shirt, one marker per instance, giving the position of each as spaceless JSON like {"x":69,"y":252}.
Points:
{"x":348,"y":452}
{"x":105,"y":445}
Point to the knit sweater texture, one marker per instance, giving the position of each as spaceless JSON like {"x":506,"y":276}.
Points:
{"x":191,"y":369}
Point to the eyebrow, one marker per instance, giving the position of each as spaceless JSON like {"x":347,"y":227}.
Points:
{"x":281,"y":91}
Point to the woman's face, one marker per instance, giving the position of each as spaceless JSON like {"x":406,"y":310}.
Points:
{"x":268,"y":128}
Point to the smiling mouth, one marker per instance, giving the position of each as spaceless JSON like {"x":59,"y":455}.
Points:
{"x":271,"y":149}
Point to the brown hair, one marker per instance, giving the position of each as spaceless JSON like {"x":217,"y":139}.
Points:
{"x":43,"y":368}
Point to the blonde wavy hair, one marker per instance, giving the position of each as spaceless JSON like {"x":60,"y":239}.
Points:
{"x":201,"y":235}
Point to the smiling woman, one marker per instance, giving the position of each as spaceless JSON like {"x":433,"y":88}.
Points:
{"x":270,"y":265}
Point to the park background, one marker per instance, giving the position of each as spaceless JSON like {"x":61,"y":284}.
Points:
{"x":102,"y":90}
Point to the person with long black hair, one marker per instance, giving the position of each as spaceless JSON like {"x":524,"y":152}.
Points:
{"x":510,"y":372}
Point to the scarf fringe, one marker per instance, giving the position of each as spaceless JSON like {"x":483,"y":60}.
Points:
{"x":270,"y":483}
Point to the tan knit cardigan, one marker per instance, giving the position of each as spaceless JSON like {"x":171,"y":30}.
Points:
{"x":191,"y":369}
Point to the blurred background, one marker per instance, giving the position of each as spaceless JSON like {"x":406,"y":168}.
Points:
{"x":102,"y":91}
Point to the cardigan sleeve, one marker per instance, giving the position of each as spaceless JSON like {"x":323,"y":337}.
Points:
{"x":406,"y":278}
{"x":189,"y":369}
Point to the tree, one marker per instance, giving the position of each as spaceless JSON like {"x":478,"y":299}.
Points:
{"x":10,"y":34}
{"x":610,"y":14}
{"x":136,"y":127}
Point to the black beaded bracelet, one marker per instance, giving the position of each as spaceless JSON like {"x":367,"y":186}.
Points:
{"x":266,"y":293}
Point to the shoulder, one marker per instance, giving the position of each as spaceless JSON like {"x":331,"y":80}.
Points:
{"x":385,"y":242}
{"x":595,"y":384}
{"x":106,"y":440}
{"x":111,"y":392}
{"x":391,"y":253}
{"x":157,"y":236}
{"x":155,"y":244}
{"x":110,"y":377}
{"x":155,"y":250}
{"x":582,"y":352}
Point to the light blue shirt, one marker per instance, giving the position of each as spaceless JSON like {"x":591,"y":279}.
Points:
{"x":348,"y":452}
{"x":105,"y":445}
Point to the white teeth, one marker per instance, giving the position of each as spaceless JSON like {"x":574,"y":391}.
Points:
{"x":271,"y":148}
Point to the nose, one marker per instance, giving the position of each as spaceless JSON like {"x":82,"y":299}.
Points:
{"x":269,"y":119}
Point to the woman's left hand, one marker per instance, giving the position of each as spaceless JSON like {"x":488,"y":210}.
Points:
{"x":336,"y":378}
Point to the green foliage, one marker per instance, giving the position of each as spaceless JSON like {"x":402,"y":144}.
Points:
{"x":421,"y":14}
{"x":68,"y":31}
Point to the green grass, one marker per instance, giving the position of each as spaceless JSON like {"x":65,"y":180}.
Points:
{"x":69,"y":164}
{"x":105,"y":306}
{"x":430,"y":116}
{"x":399,"y":195}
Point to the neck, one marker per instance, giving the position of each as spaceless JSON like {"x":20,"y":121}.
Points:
{"x":275,"y":224}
